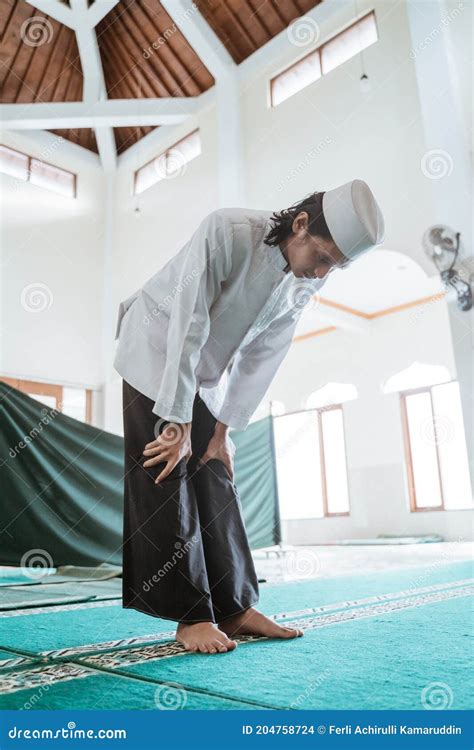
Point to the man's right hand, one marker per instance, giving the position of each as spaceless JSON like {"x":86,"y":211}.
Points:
{"x":173,"y":444}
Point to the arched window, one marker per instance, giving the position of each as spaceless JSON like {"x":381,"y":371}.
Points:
{"x":417,"y":375}
{"x":331,"y":393}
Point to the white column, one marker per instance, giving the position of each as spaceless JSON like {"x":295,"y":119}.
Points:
{"x":218,"y":61}
{"x":108,"y":310}
{"x":447,"y":163}
{"x":230,"y":142}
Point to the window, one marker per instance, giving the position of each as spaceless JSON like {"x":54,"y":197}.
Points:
{"x":169,"y":164}
{"x":14,"y":163}
{"x":331,"y":393}
{"x":435,"y":446}
{"x":332,"y":53}
{"x":417,"y":375}
{"x":293,"y":79}
{"x":348,"y":43}
{"x":311,"y":463}
{"x":49,"y":177}
{"x":26,"y":168}
{"x":74,"y":402}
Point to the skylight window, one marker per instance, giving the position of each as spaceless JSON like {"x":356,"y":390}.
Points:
{"x":328,"y":56}
{"x":349,"y":43}
{"x":28,"y":169}
{"x":169,"y":164}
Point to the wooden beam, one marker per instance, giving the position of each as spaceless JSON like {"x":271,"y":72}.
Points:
{"x":200,"y":36}
{"x":99,"y":10}
{"x":94,"y":87}
{"x":91,"y":63}
{"x":220,"y":64}
{"x":55,"y":9}
{"x":113,"y":113}
{"x":107,"y":148}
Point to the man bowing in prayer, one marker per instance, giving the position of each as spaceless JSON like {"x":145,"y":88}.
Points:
{"x":199,"y":344}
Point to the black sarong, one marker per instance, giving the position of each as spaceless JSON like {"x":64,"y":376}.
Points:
{"x":186,"y":555}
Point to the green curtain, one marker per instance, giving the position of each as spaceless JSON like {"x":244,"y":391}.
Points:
{"x":255,"y":478}
{"x":62,"y":486}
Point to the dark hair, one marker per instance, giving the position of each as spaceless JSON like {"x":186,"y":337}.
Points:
{"x":283,"y":220}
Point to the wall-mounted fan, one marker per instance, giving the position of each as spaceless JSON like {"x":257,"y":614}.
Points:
{"x":441,"y":244}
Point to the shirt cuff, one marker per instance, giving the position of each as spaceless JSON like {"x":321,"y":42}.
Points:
{"x":180,"y":412}
{"x":236,"y":417}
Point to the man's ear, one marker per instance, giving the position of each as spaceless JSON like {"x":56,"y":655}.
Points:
{"x":301,"y":221}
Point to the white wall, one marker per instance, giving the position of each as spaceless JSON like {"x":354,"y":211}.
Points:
{"x":330,"y":132}
{"x":52,"y":261}
{"x":378,"y":489}
{"x":459,"y":34}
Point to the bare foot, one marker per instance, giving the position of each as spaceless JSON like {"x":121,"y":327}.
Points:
{"x":204,"y":637}
{"x":252,"y":622}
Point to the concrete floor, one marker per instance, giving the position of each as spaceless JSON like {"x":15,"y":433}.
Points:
{"x":333,"y":561}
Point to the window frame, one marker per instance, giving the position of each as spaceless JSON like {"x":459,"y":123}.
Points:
{"x":54,"y":390}
{"x":48,"y":164}
{"x":319,"y":411}
{"x":318,"y":50}
{"x":164,"y":154}
{"x":408,"y":453}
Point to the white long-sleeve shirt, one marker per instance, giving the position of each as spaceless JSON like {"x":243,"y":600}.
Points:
{"x":218,"y":318}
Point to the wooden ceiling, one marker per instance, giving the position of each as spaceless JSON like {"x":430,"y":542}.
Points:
{"x":40,"y":59}
{"x":243,"y":26}
{"x":134,"y":69}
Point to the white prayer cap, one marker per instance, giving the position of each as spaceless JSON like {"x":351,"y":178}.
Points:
{"x":353,"y":218}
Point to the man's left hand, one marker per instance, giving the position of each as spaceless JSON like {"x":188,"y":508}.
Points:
{"x":221,"y":447}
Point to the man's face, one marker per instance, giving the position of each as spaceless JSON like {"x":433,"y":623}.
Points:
{"x":311,"y":256}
